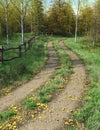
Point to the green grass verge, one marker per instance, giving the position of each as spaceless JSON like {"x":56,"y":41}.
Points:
{"x":89,"y":114}
{"x":14,"y":39}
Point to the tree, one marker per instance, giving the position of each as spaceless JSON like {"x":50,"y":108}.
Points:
{"x":76,"y":19}
{"x":85,"y":21}
{"x":5,"y":6}
{"x":22,"y":20}
{"x":96,"y":23}
{"x":58,"y":3}
{"x":21,"y":6}
{"x":37,"y":13}
{"x":23,"y":13}
{"x":89,"y":21}
{"x":61,"y":19}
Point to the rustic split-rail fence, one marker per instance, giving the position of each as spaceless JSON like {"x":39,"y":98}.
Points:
{"x":20,"y":50}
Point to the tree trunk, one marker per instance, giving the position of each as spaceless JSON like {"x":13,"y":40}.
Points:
{"x":76,"y":21}
{"x":22,"y":20}
{"x":0,"y":29}
{"x":7,"y":33}
{"x":76,"y":27}
{"x":95,"y":27}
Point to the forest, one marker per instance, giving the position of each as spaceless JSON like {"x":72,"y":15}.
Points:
{"x":61,"y":18}
{"x":49,"y":64}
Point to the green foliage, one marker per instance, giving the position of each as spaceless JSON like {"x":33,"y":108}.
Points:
{"x":29,"y":103}
{"x":58,"y":20}
{"x":37,"y":16}
{"x":64,"y":17}
{"x":46,"y":91}
{"x":44,"y":99}
{"x":33,"y":16}
{"x":7,"y":114}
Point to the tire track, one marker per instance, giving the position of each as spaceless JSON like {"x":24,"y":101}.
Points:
{"x":65,"y":103}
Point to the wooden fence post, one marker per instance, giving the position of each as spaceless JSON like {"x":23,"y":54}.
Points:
{"x":29,"y":44}
{"x":1,"y":53}
{"x":25,"y":46}
{"x":20,"y":53}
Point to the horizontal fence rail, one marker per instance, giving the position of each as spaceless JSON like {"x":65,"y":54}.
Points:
{"x":17,"y":52}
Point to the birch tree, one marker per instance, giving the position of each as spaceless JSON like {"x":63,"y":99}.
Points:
{"x":76,"y":19}
{"x":22,"y":20}
{"x":21,"y":6}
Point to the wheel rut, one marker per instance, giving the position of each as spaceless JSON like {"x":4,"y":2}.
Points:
{"x":20,"y":93}
{"x":65,"y":103}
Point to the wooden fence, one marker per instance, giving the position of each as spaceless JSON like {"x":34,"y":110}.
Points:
{"x":20,"y":50}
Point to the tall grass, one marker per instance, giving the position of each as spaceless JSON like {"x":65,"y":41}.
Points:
{"x":14,"y":39}
{"x":89,"y":114}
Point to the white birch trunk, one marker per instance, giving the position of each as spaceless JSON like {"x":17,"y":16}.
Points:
{"x":22,"y":20}
{"x":76,"y":21}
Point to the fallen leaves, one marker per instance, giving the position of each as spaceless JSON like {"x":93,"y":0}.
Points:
{"x":48,"y":129}
{"x":74,"y":98}
{"x":69,"y":122}
{"x":63,"y":109}
{"x":73,"y":124}
{"x":5,"y":91}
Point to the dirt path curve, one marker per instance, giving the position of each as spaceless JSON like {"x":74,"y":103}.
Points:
{"x":61,"y":107}
{"x":28,"y":88}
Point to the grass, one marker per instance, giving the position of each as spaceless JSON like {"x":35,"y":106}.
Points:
{"x":31,"y":104}
{"x":71,"y":128}
{"x":14,"y":39}
{"x":7,"y":114}
{"x":89,"y":114}
{"x":23,"y":68}
{"x":44,"y":99}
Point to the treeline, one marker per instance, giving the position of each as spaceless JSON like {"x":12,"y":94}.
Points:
{"x":60,"y":19}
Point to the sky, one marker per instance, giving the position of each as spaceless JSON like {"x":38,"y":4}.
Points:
{"x":49,"y":1}
{"x":73,"y":0}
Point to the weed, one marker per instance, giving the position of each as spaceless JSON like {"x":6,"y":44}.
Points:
{"x":7,"y":114}
{"x":44,"y":99}
{"x":29,"y":103}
